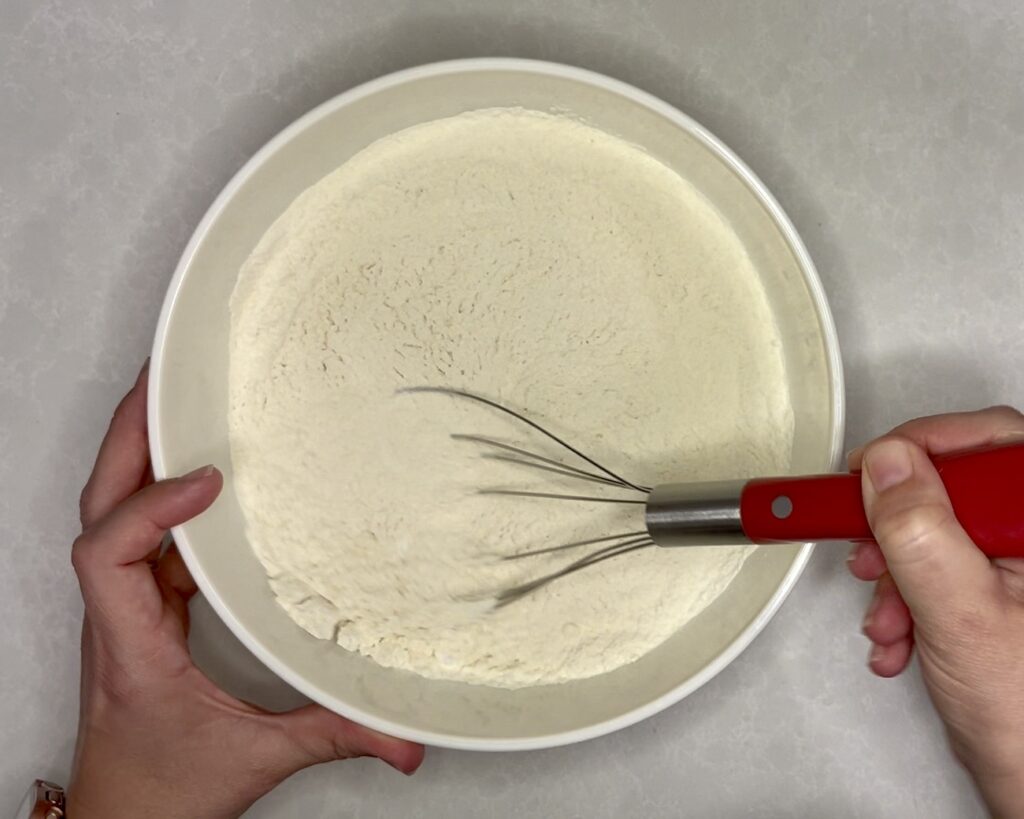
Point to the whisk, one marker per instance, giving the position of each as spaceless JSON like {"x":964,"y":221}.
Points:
{"x":985,"y":486}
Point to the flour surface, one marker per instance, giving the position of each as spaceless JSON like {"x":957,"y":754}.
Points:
{"x":538,"y":261}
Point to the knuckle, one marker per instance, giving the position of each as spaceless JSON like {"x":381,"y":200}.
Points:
{"x":311,"y":750}
{"x":342,"y":748}
{"x":1007,"y":422}
{"x":121,"y":409}
{"x":1004,"y":412}
{"x":80,"y":553}
{"x":84,"y":502}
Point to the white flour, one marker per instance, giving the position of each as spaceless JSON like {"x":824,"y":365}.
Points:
{"x":537,"y":261}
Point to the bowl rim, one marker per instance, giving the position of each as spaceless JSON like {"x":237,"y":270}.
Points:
{"x":476,"y":65}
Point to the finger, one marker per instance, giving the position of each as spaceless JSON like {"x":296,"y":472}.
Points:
{"x":888,"y":661}
{"x":937,"y":567}
{"x":313,"y":734}
{"x":887,"y":620}
{"x":109,"y":557}
{"x":955,"y":431}
{"x":866,"y":562}
{"x":172,"y":571}
{"x":123,"y":457}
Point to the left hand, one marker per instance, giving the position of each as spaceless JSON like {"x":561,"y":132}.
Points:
{"x":156,"y":737}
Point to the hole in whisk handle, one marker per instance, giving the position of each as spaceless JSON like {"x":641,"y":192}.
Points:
{"x":803,"y":508}
{"x":782,"y":507}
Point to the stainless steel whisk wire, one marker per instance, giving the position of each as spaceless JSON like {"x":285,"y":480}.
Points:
{"x":617,"y":545}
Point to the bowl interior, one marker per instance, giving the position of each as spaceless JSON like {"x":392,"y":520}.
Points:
{"x":189,"y":410}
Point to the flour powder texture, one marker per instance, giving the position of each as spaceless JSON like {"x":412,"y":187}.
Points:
{"x":540,"y":262}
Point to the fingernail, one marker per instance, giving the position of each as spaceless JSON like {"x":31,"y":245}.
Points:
{"x":877,"y":654}
{"x":854,"y":453}
{"x":1008,"y":435}
{"x":407,"y":771}
{"x":888,"y":464}
{"x":198,"y":474}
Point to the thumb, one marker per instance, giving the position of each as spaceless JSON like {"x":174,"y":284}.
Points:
{"x":312,"y":734}
{"x":935,"y":564}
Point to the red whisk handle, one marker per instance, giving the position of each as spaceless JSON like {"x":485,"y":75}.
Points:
{"x":985,"y":486}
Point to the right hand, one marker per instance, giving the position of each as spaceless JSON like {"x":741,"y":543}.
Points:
{"x":936,"y":591}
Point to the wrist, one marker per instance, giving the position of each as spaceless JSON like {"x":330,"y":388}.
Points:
{"x":1004,"y":797}
{"x":114,"y":788}
{"x":1002,"y":788}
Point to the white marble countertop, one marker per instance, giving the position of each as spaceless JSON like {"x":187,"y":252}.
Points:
{"x":893,"y":133}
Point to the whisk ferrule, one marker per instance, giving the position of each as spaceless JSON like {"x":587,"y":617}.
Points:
{"x":696,"y":514}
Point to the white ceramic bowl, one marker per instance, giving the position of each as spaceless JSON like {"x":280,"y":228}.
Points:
{"x":188,"y":407}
